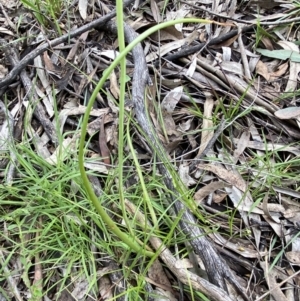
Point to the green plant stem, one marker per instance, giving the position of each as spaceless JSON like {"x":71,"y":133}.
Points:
{"x":121,"y":43}
{"x":105,"y":217}
{"x":142,"y":182}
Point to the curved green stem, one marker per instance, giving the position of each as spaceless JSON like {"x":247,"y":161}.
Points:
{"x":129,"y":241}
{"x":121,"y":44}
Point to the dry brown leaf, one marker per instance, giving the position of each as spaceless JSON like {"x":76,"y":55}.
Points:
{"x":158,"y":128}
{"x":168,"y":105}
{"x":202,"y":36}
{"x":83,"y":82}
{"x":262,"y":69}
{"x":169,"y":33}
{"x":48,"y":63}
{"x":227,"y":175}
{"x":267,"y":43}
{"x":81,"y":110}
{"x":114,"y":87}
{"x":174,"y":141}
{"x":208,"y":189}
{"x":267,"y":207}
{"x":74,"y":109}
{"x":186,"y":125}
{"x":155,"y":11}
{"x":112,"y":102}
{"x":280,"y":70}
{"x":239,"y":195}
{"x":65,"y":77}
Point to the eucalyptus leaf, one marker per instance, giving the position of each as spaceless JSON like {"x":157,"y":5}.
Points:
{"x":281,"y":54}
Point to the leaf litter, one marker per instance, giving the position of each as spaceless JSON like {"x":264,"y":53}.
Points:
{"x":246,"y":186}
